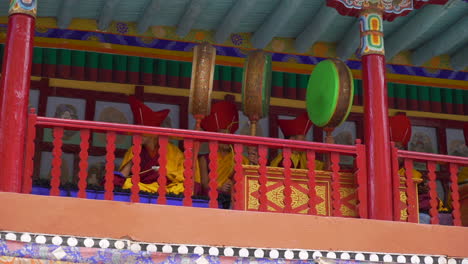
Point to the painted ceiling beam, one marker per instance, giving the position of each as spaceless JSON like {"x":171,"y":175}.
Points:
{"x":190,"y":16}
{"x":418,"y":25}
{"x":65,"y":15}
{"x":317,"y":26}
{"x":349,"y":43}
{"x":452,"y":37}
{"x":107,"y":14}
{"x":276,"y":21}
{"x":232,"y":19}
{"x":146,"y":20}
{"x":459,"y":60}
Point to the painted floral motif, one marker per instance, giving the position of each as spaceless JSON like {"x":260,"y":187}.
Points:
{"x":236,"y":39}
{"x":121,"y":28}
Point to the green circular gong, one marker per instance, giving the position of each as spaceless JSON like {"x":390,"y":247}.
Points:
{"x":330,"y":93}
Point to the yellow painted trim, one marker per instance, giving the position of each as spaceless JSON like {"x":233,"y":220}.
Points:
{"x":219,"y":95}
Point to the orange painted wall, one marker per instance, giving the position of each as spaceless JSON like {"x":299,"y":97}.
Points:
{"x":170,"y":224}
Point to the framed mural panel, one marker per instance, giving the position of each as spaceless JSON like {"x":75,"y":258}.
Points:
{"x":68,"y":108}
{"x":456,"y":145}
{"x":67,"y":173}
{"x":423,"y":139}
{"x":34,"y":99}
{"x":97,"y":169}
{"x":113,"y":113}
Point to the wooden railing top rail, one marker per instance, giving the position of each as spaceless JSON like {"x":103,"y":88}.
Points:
{"x":193,"y":134}
{"x":421,"y":156}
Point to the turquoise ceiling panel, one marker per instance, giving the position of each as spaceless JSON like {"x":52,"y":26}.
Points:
{"x":88,"y":9}
{"x":300,"y":20}
{"x":213,"y":14}
{"x":338,"y":29}
{"x":48,"y":8}
{"x":254,"y":18}
{"x":3,"y":8}
{"x":171,"y":12}
{"x":128,"y":11}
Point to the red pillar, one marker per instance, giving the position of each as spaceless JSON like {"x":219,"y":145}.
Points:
{"x":14,"y":92}
{"x":376,"y":128}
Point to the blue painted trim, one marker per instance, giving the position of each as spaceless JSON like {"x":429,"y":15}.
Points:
{"x":190,"y":17}
{"x":232,"y":19}
{"x":275,"y":23}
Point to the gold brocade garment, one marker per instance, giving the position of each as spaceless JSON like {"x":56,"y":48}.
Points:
{"x":226,"y":167}
{"x":175,"y":172}
{"x":298,"y":159}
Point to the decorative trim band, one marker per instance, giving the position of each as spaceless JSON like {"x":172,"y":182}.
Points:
{"x":227,"y":251}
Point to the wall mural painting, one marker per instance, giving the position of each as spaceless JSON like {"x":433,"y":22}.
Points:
{"x":67,"y":173}
{"x":67,"y":108}
{"x":113,"y":113}
{"x":97,"y":169}
{"x":345,"y":134}
{"x":34,"y":99}
{"x":423,"y":139}
{"x":456,"y":145}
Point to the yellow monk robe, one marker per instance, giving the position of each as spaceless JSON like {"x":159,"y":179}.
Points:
{"x":463,"y":176}
{"x":298,"y":159}
{"x":225,"y":168}
{"x":416,"y":174}
{"x":175,"y":172}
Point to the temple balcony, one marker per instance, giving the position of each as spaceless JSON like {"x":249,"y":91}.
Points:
{"x":310,"y":203}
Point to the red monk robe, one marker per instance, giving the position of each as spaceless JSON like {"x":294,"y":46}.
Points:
{"x":149,"y":156}
{"x":296,"y":129}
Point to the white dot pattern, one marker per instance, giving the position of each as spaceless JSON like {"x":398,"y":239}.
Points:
{"x":88,"y":242}
{"x":317,"y":254}
{"x":359,"y":256}
{"x":243,"y":253}
{"x":228,"y":252}
{"x":135,"y":247}
{"x":182,"y":250}
{"x":331,"y":255}
{"x":464,"y":261}
{"x":401,"y":259}
{"x":428,"y":260}
{"x":345,"y":256}
{"x":199,"y":250}
{"x":303,"y":255}
{"x":415,"y":259}
{"x":374,"y":257}
{"x":167,"y":249}
{"x":213,"y":251}
{"x":452,"y":261}
{"x":10,"y":236}
{"x":259,"y":253}
{"x":442,"y":260}
{"x":274,"y":254}
{"x":119,"y":244}
{"x":151,"y":248}
{"x":25,"y":238}
{"x":56,"y":240}
{"x":104,"y":243}
{"x":71,"y":241}
{"x":288,"y":254}
{"x":40,"y":239}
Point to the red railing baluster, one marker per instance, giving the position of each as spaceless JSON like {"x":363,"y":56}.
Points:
{"x":110,"y":157}
{"x":162,"y":161}
{"x":287,"y":180}
{"x":311,"y":182}
{"x":188,"y":172}
{"x":136,"y":160}
{"x":29,"y":156}
{"x":413,"y":215}
{"x":396,"y":185}
{"x":213,"y":174}
{"x":433,"y":212}
{"x":83,"y":174}
{"x":239,"y":179}
{"x":262,"y":179}
{"x":361,"y":179}
{"x":455,"y":195}
{"x":336,"y":186}
{"x":57,"y":161}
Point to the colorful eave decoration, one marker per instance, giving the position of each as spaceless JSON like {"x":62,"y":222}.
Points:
{"x":392,"y":8}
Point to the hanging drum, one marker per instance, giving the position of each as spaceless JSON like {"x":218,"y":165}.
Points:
{"x":201,"y":85}
{"x":330,"y":94}
{"x":256,"y":85}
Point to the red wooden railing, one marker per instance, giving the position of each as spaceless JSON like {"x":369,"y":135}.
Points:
{"x":447,"y":172}
{"x":191,"y":138}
